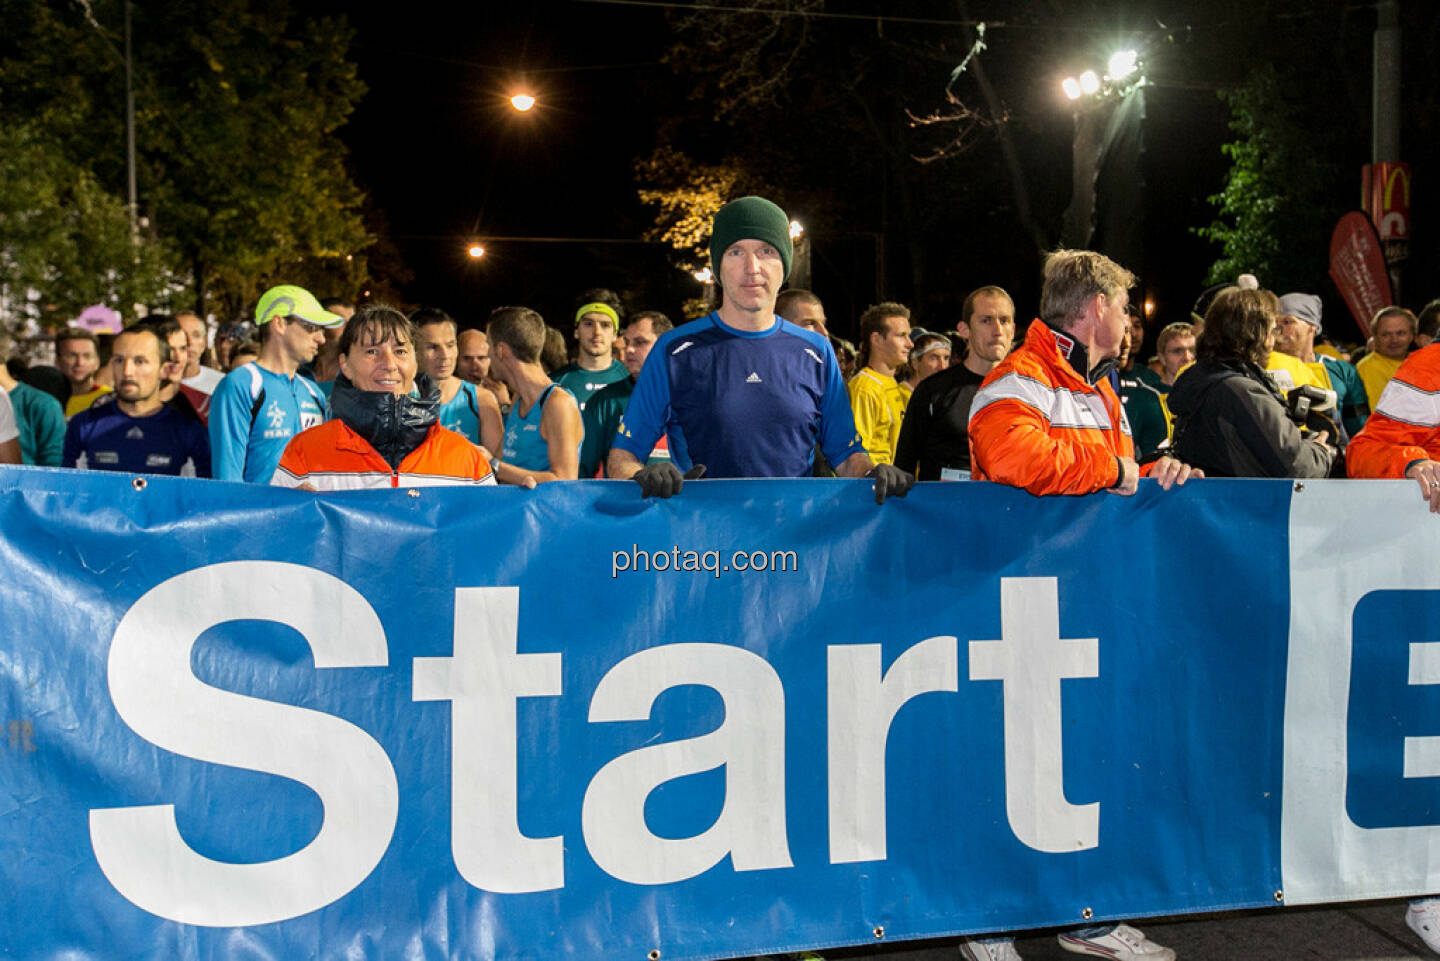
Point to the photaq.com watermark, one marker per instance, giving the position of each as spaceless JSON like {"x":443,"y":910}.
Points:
{"x":638,"y":560}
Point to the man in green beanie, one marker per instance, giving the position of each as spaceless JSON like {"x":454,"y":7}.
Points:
{"x":740,"y":392}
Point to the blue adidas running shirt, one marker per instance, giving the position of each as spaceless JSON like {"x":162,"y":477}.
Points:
{"x":744,"y":404}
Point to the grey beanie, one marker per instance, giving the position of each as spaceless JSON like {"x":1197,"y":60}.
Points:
{"x":1304,"y":306}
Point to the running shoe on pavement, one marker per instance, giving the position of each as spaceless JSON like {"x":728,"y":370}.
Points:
{"x":1423,"y":917}
{"x":1124,"y":943}
{"x":989,"y":950}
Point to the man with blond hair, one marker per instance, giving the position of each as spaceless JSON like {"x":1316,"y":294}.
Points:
{"x":1046,"y":418}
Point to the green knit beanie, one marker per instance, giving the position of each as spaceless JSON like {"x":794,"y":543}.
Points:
{"x":750,"y":218}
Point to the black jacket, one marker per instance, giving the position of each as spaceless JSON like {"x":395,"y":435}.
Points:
{"x":935,"y":431}
{"x":1230,"y":422}
{"x":394,"y":426}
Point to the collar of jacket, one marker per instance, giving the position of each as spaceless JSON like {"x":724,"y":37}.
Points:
{"x":1078,"y":357}
{"x":393,"y":425}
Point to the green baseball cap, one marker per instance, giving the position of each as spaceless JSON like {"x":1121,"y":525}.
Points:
{"x":288,"y":300}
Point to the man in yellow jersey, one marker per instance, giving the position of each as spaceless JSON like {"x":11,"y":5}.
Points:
{"x":876,"y":398}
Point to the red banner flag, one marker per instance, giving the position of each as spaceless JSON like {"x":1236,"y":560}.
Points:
{"x":1357,"y":265}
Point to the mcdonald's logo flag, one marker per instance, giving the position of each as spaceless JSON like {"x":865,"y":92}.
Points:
{"x":1387,"y":199}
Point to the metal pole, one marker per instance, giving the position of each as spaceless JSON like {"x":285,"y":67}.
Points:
{"x":1385,"y":132}
{"x":130,"y":130}
{"x":1385,"y":110}
{"x":1078,"y":225}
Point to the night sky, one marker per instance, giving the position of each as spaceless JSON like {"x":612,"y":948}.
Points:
{"x":446,"y":159}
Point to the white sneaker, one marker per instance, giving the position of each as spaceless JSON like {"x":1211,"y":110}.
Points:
{"x":989,"y":950}
{"x":1423,"y":917}
{"x":1122,"y":944}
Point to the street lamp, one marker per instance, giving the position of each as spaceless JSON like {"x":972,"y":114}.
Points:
{"x":1120,"y":77}
{"x":1095,"y":100}
{"x":476,"y":251}
{"x":1122,"y":65}
{"x":522,"y":102}
{"x":800,"y":262}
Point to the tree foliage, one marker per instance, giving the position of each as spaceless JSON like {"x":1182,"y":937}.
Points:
{"x":686,"y":195}
{"x":65,"y":238}
{"x":242,"y":179}
{"x":1281,"y":196}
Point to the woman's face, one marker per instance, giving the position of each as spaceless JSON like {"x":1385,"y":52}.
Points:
{"x":388,"y":366}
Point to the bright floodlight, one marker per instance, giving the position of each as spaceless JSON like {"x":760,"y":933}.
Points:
{"x":1071,"y":86}
{"x":522,"y":102}
{"x":796,"y":230}
{"x":1123,"y":64}
{"x":476,"y":251}
{"x":1089,"y":82}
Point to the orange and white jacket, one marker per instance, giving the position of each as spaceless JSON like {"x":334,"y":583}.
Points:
{"x":1405,"y":426}
{"x":332,"y":457}
{"x":1037,"y":423}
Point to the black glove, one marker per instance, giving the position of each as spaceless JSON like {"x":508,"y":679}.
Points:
{"x":890,"y":481}
{"x":663,"y":479}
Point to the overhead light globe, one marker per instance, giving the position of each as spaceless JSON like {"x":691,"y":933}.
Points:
{"x":1123,"y":64}
{"x":1090,"y":82}
{"x":522,"y":102}
{"x":1071,"y":86}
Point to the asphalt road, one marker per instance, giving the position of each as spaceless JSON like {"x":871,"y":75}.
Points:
{"x":1362,"y":931}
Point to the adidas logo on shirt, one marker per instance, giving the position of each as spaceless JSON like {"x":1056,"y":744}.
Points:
{"x":134,"y":433}
{"x":754,"y":378}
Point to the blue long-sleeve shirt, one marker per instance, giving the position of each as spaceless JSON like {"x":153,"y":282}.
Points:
{"x":253,"y":414}
{"x":743,"y":403}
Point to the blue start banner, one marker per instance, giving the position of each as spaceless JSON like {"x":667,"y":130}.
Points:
{"x":762,"y":716}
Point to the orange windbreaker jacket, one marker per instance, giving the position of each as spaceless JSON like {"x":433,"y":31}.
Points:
{"x":1405,"y":426}
{"x":1038,"y":424}
{"x":331,"y":456}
